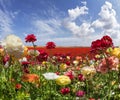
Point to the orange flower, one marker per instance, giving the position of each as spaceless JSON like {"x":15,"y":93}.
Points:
{"x":32,"y":78}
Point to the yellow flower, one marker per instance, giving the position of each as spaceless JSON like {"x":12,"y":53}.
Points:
{"x":63,"y":66}
{"x":88,"y":71}
{"x":2,"y":51}
{"x":116,"y":52}
{"x":25,"y":51}
{"x":63,"y":80}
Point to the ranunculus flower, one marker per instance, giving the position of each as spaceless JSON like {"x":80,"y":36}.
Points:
{"x":18,"y":86}
{"x":32,"y":78}
{"x":33,"y":52}
{"x":70,"y":74}
{"x":50,"y":45}
{"x":88,"y":71}
{"x":115,"y":52}
{"x":65,"y":91}
{"x":63,"y":66}
{"x":43,"y":56}
{"x":30,"y":38}
{"x":81,"y":77}
{"x":80,"y":93}
{"x":13,"y":46}
{"x":63,"y":80}
{"x":50,"y":76}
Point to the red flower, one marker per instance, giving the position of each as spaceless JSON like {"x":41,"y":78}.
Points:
{"x":65,"y":91}
{"x":18,"y":86}
{"x":81,"y":77}
{"x":43,"y":56}
{"x":106,"y":42}
{"x":80,"y":93}
{"x":50,"y":45}
{"x":30,"y":38}
{"x":6,"y":59}
{"x":101,"y":44}
{"x":70,"y":74}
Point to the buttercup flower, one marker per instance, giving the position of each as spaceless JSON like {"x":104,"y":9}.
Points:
{"x":33,"y":52}
{"x":13,"y":46}
{"x":50,"y":45}
{"x":80,"y":93}
{"x":88,"y":71}
{"x":50,"y":76}
{"x":63,"y":80}
{"x":18,"y":86}
{"x":65,"y":91}
{"x":30,"y":38}
{"x":116,"y":52}
{"x":32,"y":78}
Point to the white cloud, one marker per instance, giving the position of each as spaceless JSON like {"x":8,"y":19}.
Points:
{"x":74,"y":13}
{"x":106,"y":23}
{"x":6,"y":21}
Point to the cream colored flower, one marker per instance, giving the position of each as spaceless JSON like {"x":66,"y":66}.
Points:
{"x":88,"y":71}
{"x":33,"y":52}
{"x":63,"y":80}
{"x":13,"y":46}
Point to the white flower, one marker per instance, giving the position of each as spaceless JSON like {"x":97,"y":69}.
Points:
{"x":33,"y":52}
{"x":13,"y":45}
{"x":50,"y":76}
{"x":23,"y":59}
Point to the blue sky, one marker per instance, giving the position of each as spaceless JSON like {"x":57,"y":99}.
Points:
{"x":66,"y":22}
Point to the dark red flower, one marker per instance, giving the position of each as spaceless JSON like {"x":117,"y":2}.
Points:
{"x":43,"y":56}
{"x":106,"y":42}
{"x":80,"y":93}
{"x":50,"y":45}
{"x":81,"y":77}
{"x":18,"y":86}
{"x":65,"y":91}
{"x":101,"y":44}
{"x":30,"y":38}
{"x":6,"y":59}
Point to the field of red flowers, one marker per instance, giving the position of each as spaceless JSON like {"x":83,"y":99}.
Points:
{"x":73,"y":51}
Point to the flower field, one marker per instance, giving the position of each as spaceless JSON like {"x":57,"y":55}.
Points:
{"x":55,"y":73}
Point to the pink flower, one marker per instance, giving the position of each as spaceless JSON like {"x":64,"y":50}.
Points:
{"x":70,"y":74}
{"x":50,"y":45}
{"x":30,"y":38}
{"x":65,"y":91}
{"x":81,"y":77}
{"x":6,"y":59}
{"x":80,"y":93}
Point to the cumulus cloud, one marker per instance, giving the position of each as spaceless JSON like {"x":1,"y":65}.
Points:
{"x":78,"y":30}
{"x":106,"y":23}
{"x":74,"y":13}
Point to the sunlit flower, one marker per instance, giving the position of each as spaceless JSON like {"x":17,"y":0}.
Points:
{"x":70,"y":74}
{"x":30,"y":38}
{"x":88,"y":71}
{"x":50,"y":76}
{"x":13,"y":46}
{"x":65,"y":91}
{"x":63,"y":80}
{"x":50,"y":45}
{"x":33,"y":52}
{"x":32,"y":78}
{"x":116,"y":52}
{"x":63,"y":66}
